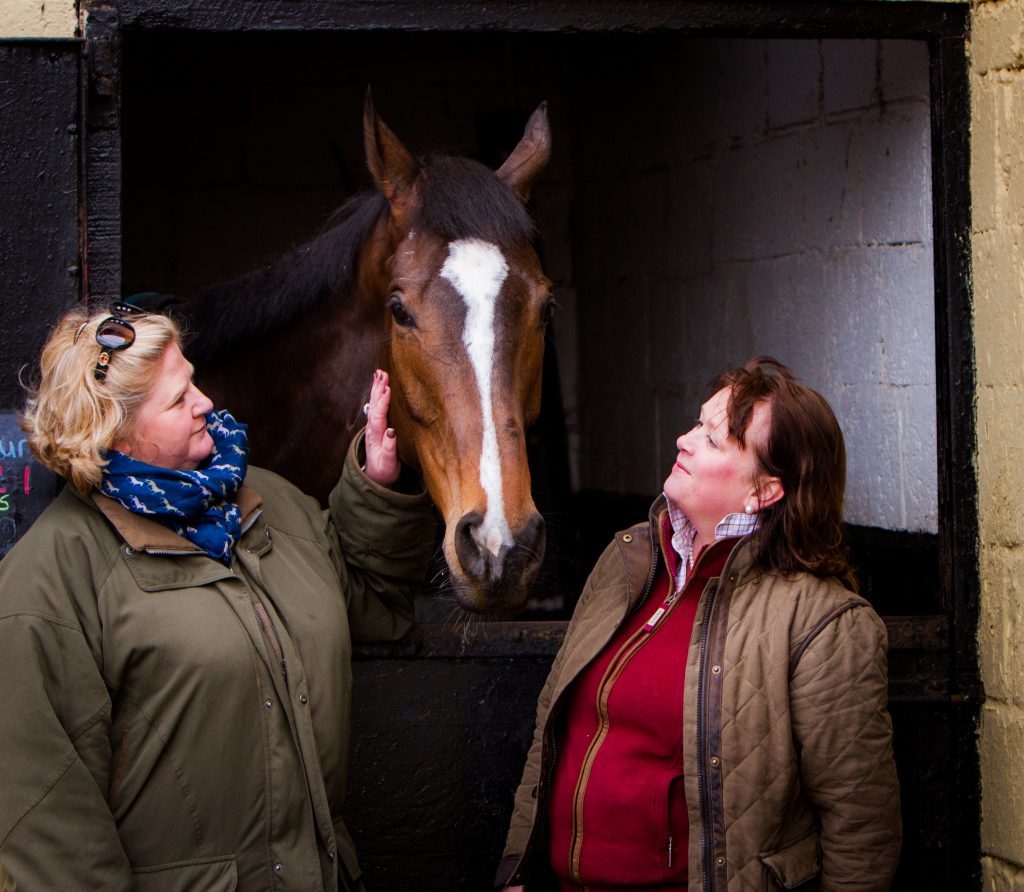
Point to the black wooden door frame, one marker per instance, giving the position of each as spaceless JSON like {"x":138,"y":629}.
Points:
{"x":944,"y":25}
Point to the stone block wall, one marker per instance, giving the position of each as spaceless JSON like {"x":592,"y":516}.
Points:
{"x":997,"y":206}
{"x":46,"y":19}
{"x":766,"y":196}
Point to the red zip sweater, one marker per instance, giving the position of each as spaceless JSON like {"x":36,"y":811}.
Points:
{"x":617,"y":814}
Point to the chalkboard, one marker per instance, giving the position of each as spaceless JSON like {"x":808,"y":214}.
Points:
{"x":26,"y":487}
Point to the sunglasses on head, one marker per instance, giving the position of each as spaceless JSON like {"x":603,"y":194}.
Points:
{"x":112,"y":334}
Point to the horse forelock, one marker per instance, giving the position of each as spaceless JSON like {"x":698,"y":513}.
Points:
{"x":460,"y":198}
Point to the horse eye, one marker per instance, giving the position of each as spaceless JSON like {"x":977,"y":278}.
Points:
{"x":402,"y":316}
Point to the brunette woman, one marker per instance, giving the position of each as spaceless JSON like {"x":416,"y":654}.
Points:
{"x":716,"y":717}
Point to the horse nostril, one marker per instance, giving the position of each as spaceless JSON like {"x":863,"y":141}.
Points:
{"x":531,"y":536}
{"x":466,"y":546}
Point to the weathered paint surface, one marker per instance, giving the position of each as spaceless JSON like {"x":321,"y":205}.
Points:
{"x":38,"y":18}
{"x":997,"y":187}
{"x":39,"y":257}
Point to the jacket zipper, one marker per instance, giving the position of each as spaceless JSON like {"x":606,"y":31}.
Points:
{"x":272,"y":638}
{"x":174,"y":552}
{"x":252,"y":519}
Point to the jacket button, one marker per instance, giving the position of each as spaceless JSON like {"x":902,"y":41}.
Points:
{"x":627,"y":538}
{"x":129,"y":550}
{"x":330,"y":857}
{"x":269,"y":704}
{"x":716,"y":670}
{"x":719,"y":860}
{"x":715,"y":761}
{"x":278,"y":867}
{"x":303,"y":699}
{"x":732,"y":577}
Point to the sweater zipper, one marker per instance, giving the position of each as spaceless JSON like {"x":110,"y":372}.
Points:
{"x":615,"y":669}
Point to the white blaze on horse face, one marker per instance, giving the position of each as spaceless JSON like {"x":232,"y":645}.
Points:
{"x":477,"y":270}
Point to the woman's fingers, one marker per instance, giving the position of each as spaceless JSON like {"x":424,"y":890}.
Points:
{"x":382,"y":464}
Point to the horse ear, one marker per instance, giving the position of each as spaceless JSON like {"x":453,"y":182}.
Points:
{"x":529,"y":157}
{"x":393,"y":167}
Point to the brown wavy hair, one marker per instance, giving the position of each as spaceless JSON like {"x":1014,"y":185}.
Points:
{"x":804,"y":448}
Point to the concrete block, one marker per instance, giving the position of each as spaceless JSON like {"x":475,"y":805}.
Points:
{"x":642,"y":233}
{"x":873,"y":483}
{"x":885,"y":299}
{"x":1000,"y":876}
{"x":193,"y":135}
{"x":890,"y":171}
{"x":742,"y":86}
{"x":614,"y":347}
{"x":850,"y":74}
{"x":552,"y":204}
{"x":791,"y":316}
{"x":1001,"y":746}
{"x":985,"y":177}
{"x":737,"y":212}
{"x":794,"y":81}
{"x":832,"y":212}
{"x":1001,"y":623}
{"x":782,"y":195}
{"x":1000,"y":465}
{"x":891,"y":477}
{"x":690,"y":221}
{"x":998,"y":268}
{"x":288,"y":140}
{"x":607,"y":465}
{"x":997,"y":36}
{"x":677,"y":409}
{"x":919,"y":459}
{"x":219,"y":244}
{"x":904,"y":67}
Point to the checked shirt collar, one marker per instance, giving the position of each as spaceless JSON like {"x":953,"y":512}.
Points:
{"x":684,"y":532}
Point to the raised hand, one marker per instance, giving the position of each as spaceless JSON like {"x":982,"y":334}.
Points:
{"x":382,"y":464}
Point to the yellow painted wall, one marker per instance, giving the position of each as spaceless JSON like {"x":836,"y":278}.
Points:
{"x":997,"y":187}
{"x":38,"y":18}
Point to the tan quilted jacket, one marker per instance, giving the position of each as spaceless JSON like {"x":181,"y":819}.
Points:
{"x":790,"y":780}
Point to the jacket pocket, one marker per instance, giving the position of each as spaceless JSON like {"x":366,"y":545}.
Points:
{"x":208,"y":874}
{"x":796,"y":865}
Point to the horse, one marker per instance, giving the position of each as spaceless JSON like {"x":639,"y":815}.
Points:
{"x":433,"y":277}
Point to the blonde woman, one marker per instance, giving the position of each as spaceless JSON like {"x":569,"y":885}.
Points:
{"x":175,"y":631}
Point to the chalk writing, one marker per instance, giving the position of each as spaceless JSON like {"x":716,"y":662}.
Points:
{"x":26,"y":487}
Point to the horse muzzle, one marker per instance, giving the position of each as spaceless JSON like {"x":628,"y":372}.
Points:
{"x":495,"y":581}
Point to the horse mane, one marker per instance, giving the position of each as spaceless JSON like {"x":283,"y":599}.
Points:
{"x":277,"y":292}
{"x":459,"y":198}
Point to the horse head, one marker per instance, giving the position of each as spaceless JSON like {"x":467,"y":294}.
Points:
{"x":467,"y":305}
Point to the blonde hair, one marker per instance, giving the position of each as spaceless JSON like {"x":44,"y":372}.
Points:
{"x":70,"y":417}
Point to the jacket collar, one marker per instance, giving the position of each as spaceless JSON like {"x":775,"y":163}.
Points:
{"x":144,"y":534}
{"x":638,"y":553}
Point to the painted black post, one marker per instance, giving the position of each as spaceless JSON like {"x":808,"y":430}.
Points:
{"x":40,"y":272}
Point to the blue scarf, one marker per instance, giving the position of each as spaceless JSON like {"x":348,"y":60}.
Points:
{"x":195,"y":504}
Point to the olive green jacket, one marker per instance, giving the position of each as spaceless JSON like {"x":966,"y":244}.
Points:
{"x":787,"y":742}
{"x":174,"y":724}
